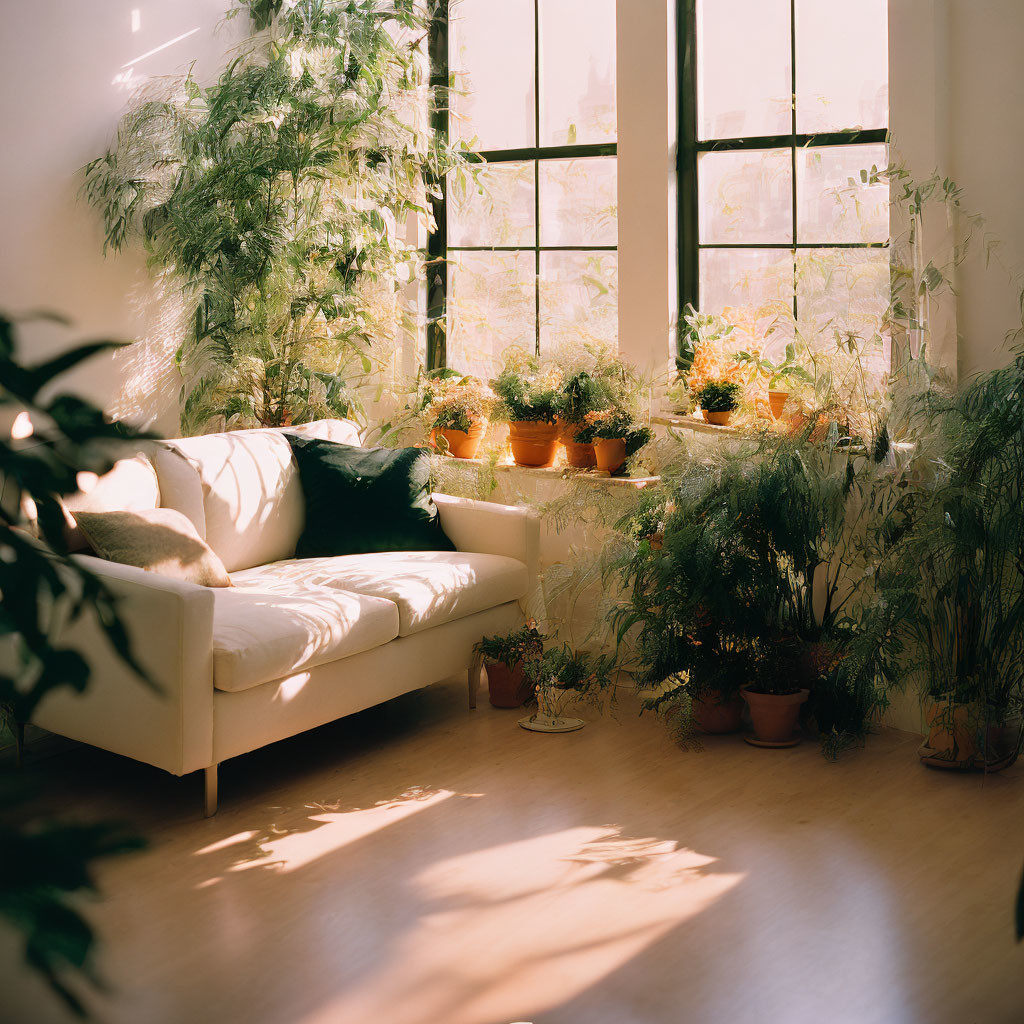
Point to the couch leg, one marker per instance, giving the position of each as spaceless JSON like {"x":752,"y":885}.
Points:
{"x":474,"y":678}
{"x":210,"y":790}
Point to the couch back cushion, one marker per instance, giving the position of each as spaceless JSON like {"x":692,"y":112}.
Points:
{"x":253,"y":506}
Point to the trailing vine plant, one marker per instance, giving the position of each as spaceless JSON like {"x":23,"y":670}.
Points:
{"x":272,"y":200}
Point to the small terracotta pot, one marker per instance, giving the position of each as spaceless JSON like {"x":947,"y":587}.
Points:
{"x":610,"y":453}
{"x":534,"y":442}
{"x":720,"y":419}
{"x":774,"y":717}
{"x":464,"y":444}
{"x":715,"y":716}
{"x":577,"y":454}
{"x":506,"y":686}
{"x":960,"y":739}
{"x":777,"y":402}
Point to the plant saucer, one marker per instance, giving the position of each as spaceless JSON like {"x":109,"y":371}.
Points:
{"x":772,"y":744}
{"x":548,"y":723}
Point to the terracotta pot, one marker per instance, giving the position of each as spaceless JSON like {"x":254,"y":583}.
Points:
{"x":774,"y":717}
{"x":534,"y":442}
{"x":777,"y":402}
{"x":610,"y":453}
{"x":464,"y":444}
{"x":577,"y":454}
{"x":960,"y":739}
{"x":720,"y":419}
{"x":506,"y":686}
{"x":715,"y":716}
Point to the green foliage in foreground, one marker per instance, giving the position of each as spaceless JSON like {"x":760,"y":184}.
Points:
{"x":42,"y":592}
{"x":270,"y":199}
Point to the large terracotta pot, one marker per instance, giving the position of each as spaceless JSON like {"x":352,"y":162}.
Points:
{"x":464,"y":444}
{"x":506,"y":686}
{"x":534,"y":442}
{"x":610,"y":453}
{"x":777,"y":402}
{"x":719,"y":419}
{"x":715,"y":716}
{"x":577,"y":454}
{"x":960,"y":739}
{"x":774,"y":717}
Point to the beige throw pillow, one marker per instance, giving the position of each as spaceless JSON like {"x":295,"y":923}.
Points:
{"x":159,"y":540}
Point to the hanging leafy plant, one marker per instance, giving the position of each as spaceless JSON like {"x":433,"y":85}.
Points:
{"x":271,"y":200}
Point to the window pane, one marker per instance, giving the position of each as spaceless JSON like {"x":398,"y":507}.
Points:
{"x":491,"y":305}
{"x":578,"y":202}
{"x":830,"y":208}
{"x":843,"y":289}
{"x":494,"y":209}
{"x":579,"y":298}
{"x":746,"y":196}
{"x":490,"y":53}
{"x":577,"y":83}
{"x":842,"y":59}
{"x":745,"y":84}
{"x":752,"y":287}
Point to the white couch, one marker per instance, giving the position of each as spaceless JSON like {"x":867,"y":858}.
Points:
{"x":294,"y":643}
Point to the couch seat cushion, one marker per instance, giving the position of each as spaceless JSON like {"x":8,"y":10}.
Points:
{"x":265,"y":629}
{"x":429,"y":587}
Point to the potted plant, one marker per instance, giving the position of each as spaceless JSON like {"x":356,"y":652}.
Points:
{"x":528,"y":401}
{"x":510,"y":661}
{"x":564,"y":675}
{"x":582,"y":393}
{"x":718,"y":399}
{"x":775,"y":696}
{"x":782,"y":377}
{"x":614,"y":435}
{"x":458,"y":415}
{"x":951,"y":583}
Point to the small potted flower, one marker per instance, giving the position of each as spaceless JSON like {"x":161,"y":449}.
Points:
{"x":582,"y":393}
{"x":528,"y":401}
{"x":458,"y":414}
{"x":614,"y":435}
{"x":565,"y":675}
{"x":719,"y":398}
{"x":510,"y":660}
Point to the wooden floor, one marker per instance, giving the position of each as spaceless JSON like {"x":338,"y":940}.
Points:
{"x":424,"y":864}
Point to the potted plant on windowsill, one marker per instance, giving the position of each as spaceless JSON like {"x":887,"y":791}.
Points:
{"x":614,"y":435}
{"x":510,"y":661}
{"x":582,"y":393}
{"x":458,"y":415}
{"x":719,"y":399}
{"x":528,"y":402}
{"x":563,"y":676}
{"x":782,"y":378}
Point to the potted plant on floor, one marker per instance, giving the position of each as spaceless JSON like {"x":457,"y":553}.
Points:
{"x":775,"y":696}
{"x":511,"y":660}
{"x":615,"y":436}
{"x":528,"y":401}
{"x":563,"y":676}
{"x":719,"y":399}
{"x":951,"y":584}
{"x":582,"y":393}
{"x":458,"y":415}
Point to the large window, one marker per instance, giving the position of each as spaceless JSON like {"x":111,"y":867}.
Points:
{"x":783,"y":105}
{"x":526,"y":254}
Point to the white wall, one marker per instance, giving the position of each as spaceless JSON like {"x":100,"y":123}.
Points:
{"x":956,"y":92}
{"x":68,"y":67}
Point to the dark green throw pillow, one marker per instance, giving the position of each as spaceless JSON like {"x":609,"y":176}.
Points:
{"x":360,"y":500}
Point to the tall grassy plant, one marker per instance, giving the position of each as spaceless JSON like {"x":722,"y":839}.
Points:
{"x":271,"y":200}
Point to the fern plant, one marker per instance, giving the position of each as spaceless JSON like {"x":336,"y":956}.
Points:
{"x":270,"y":199}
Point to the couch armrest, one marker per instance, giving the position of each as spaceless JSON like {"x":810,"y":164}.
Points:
{"x":492,"y":529}
{"x":170,"y":626}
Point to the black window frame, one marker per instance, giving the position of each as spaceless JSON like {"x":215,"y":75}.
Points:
{"x":690,"y":146}
{"x":437,"y":242}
